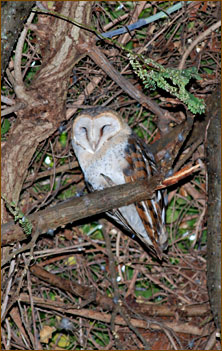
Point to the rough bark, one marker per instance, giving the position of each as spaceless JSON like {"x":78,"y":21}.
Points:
{"x":213,"y":153}
{"x":13,"y":16}
{"x":46,"y":97}
{"x":78,"y":208}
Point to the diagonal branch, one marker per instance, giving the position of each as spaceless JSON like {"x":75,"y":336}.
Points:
{"x":83,"y":207}
{"x":90,"y":205}
{"x":100,"y":59}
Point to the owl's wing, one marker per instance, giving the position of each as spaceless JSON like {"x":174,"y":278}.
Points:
{"x":115,"y":213}
{"x":141,"y":165}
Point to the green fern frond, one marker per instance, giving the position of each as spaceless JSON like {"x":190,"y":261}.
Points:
{"x":19,"y":216}
{"x":171,"y":80}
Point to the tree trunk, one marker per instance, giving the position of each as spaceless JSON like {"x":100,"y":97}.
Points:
{"x":46,"y":97}
{"x":214,"y":206}
{"x":13,"y":16}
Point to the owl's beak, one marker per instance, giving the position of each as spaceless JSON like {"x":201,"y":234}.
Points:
{"x":94,"y":145}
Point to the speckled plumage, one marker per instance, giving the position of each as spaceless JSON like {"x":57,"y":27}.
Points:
{"x":110,"y":154}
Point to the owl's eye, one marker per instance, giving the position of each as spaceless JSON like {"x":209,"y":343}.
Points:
{"x":104,"y":128}
{"x":83,"y":130}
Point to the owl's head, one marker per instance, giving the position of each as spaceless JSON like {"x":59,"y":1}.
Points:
{"x":95,"y":127}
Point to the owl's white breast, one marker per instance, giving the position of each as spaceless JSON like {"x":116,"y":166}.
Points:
{"x":109,"y":160}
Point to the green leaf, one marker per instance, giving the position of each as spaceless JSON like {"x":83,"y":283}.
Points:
{"x":171,"y":216}
{"x":63,"y":139}
{"x":5,"y":126}
{"x":129,"y":45}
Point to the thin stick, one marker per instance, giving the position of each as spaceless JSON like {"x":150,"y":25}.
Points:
{"x":201,"y":37}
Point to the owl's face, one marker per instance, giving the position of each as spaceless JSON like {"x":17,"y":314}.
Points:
{"x":92,"y":132}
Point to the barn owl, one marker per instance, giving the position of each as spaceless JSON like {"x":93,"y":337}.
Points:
{"x":109,"y":154}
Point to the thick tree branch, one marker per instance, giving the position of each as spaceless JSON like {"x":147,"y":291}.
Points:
{"x":92,"y":204}
{"x":82,"y":207}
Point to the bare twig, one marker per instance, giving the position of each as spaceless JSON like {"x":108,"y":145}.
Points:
{"x":60,"y":169}
{"x":138,"y":8}
{"x":200,"y":37}
{"x":87,"y":293}
{"x":81,"y":98}
{"x":211,"y":342}
{"x":30,"y":245}
{"x":186,"y":328}
{"x":14,"y":314}
{"x":8,"y":344}
{"x":5,"y":302}
{"x":14,"y":108}
{"x":37,"y":344}
{"x":6,"y":100}
{"x":19,"y":85}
